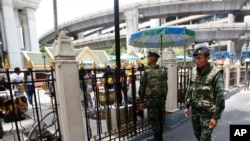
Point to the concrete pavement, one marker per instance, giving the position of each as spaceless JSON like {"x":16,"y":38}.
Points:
{"x":236,"y":111}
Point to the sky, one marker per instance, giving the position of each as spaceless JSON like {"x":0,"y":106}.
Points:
{"x":69,"y":9}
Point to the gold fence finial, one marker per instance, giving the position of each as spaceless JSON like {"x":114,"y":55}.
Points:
{"x":81,"y":65}
{"x":44,"y":86}
{"x":6,"y":64}
{"x":105,"y":65}
{"x":94,"y":65}
{"x":132,"y":65}
{"x":30,"y":66}
{"x":124,"y":65}
{"x":51,"y":63}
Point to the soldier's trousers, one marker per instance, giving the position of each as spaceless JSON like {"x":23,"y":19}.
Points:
{"x":156,"y":116}
{"x":200,"y":121}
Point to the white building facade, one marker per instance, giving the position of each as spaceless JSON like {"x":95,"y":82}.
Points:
{"x":18,"y":30}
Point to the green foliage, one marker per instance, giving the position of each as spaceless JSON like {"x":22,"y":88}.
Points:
{"x":179,"y":51}
{"x":111,"y":51}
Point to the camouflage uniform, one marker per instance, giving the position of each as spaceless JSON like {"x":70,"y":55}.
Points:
{"x":205,"y":95}
{"x":154,"y":89}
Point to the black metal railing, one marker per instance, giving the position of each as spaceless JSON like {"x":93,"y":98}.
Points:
{"x":106,"y":116}
{"x":183,"y":76}
{"x":20,"y":116}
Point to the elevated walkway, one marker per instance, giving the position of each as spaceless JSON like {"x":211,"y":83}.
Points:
{"x":204,"y":32}
{"x":149,"y":10}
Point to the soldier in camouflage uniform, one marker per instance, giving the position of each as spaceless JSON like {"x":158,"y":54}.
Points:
{"x":205,"y":95}
{"x":153,"y":88}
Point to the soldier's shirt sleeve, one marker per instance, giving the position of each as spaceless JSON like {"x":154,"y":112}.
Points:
{"x":143,"y":85}
{"x":219,"y":96}
{"x":188,"y":96}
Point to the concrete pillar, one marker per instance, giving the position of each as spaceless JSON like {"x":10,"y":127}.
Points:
{"x":11,"y":34}
{"x":30,"y":30}
{"x":231,"y":18}
{"x":80,"y":35}
{"x":99,"y":32}
{"x":155,"y":22}
{"x":131,"y":18}
{"x":238,"y":66}
{"x":231,"y":47}
{"x":68,"y":90}
{"x":170,"y":61}
{"x":25,"y":30}
{"x":231,"y":50}
{"x":226,"y":73}
{"x":247,"y":19}
{"x":4,"y":44}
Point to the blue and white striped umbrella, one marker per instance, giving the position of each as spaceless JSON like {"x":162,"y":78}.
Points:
{"x":168,"y":36}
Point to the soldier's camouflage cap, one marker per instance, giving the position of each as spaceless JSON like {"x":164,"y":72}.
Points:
{"x":153,"y":54}
{"x":201,"y":50}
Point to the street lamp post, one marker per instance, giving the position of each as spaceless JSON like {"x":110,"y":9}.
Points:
{"x":246,"y":57}
{"x":44,"y":57}
{"x":44,"y":64}
{"x":2,"y":55}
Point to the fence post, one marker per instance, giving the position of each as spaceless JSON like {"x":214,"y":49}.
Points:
{"x":68,"y":90}
{"x":171,"y":103}
{"x":238,"y":66}
{"x":226,"y":74}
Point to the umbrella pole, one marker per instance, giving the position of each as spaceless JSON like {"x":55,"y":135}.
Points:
{"x":185,"y":55}
{"x":117,"y":55}
{"x":161,"y":53}
{"x":161,"y":45}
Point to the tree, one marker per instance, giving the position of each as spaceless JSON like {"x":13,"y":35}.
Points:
{"x":111,"y":51}
{"x":179,"y":51}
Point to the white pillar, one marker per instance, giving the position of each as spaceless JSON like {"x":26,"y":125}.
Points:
{"x":238,"y":66}
{"x":68,"y":90}
{"x":132,"y":25}
{"x":170,"y":59}
{"x":231,"y":18}
{"x":30,"y":30}
{"x":231,"y":47}
{"x":11,"y":34}
{"x":25,"y":31}
{"x":226,"y":73}
{"x":4,"y":44}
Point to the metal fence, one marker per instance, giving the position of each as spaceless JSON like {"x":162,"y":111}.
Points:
{"x":184,"y":76}
{"x":23,"y":117}
{"x":108,"y":114}
{"x":111,"y":114}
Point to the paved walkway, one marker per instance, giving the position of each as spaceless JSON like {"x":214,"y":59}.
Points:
{"x":237,"y":111}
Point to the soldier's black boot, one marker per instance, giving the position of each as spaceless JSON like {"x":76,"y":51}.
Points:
{"x":158,"y":136}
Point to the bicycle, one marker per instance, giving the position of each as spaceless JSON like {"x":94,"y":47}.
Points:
{"x":45,"y":130}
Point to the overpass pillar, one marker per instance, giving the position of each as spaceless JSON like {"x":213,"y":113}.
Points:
{"x":231,"y":47}
{"x":11,"y":30}
{"x":29,"y":30}
{"x":131,"y":17}
{"x":226,"y":74}
{"x":231,"y":18}
{"x":231,"y":50}
{"x":238,"y":66}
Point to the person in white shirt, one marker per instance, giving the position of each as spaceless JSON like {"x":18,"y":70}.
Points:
{"x":17,"y":78}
